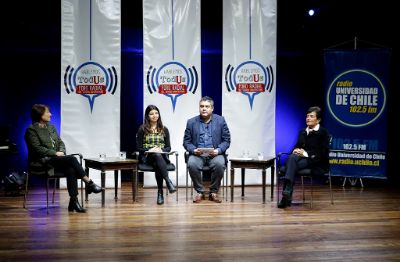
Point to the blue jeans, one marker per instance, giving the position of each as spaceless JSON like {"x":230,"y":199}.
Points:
{"x":217,"y":167}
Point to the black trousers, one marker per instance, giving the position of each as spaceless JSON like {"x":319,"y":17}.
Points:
{"x":160,"y":166}
{"x":71,"y":168}
{"x":294,"y":163}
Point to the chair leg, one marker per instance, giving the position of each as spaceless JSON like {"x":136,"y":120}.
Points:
{"x":187,"y":184}
{"x":177,"y":179}
{"x":223,"y":186}
{"x":226,"y":184}
{"x":26,"y":190}
{"x":47,"y":194}
{"x":82,"y":192}
{"x":277,"y":188}
{"x":302,"y":188}
{"x":54,"y":189}
{"x":330,"y":187}
{"x":311,"y":191}
{"x":176,"y":182}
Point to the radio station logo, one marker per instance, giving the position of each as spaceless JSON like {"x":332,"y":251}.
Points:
{"x":356,"y":98}
{"x":173,"y":80}
{"x":250,"y":78}
{"x":90,"y":80}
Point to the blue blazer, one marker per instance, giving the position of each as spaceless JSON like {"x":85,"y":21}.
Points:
{"x":221,"y":136}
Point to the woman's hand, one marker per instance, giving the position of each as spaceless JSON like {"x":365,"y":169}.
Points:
{"x":60,"y":154}
{"x":298,"y":151}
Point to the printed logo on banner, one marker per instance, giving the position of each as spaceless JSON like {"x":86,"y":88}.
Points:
{"x":172,"y":79}
{"x":250,"y":78}
{"x":90,"y":80}
{"x":356,"y":98}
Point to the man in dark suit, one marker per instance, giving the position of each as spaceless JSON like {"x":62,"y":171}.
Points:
{"x":206,"y":138}
{"x":311,"y":150}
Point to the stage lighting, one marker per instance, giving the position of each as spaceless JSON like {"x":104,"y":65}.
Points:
{"x":311,"y":12}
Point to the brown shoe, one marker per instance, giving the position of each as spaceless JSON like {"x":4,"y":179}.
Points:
{"x":198,"y":198}
{"x":214,"y":197}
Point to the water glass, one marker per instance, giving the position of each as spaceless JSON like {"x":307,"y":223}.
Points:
{"x":122,"y":155}
{"x":102,"y":156}
{"x":246,"y":153}
{"x":260,"y":156}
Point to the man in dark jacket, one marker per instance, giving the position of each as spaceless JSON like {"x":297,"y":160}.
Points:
{"x":206,"y":138}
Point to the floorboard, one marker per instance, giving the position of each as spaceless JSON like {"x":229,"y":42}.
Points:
{"x":362,"y":225}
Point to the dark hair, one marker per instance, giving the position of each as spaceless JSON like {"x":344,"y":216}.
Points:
{"x":317,"y":110}
{"x":146,"y":125}
{"x":207,"y":98}
{"x":37,"y":112}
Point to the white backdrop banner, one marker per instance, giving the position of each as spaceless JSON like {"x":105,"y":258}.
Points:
{"x":249,"y":62}
{"x":90,"y":78}
{"x":171,"y":50}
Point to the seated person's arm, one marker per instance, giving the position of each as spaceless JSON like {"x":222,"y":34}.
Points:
{"x":187,"y":141}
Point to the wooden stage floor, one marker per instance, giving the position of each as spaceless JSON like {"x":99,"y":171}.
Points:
{"x":362,"y":225}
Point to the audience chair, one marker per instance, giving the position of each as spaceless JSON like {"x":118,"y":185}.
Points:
{"x":170,"y":167}
{"x":304,"y":173}
{"x":47,"y":172}
{"x":207,"y":169}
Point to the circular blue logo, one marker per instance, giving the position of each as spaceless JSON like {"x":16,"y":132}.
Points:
{"x":356,"y":98}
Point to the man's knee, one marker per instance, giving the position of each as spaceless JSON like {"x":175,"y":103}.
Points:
{"x":219,"y":167}
{"x":193,"y":165}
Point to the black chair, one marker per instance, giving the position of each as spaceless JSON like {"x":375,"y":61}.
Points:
{"x":207,"y":169}
{"x":170,"y":167}
{"x":304,"y":173}
{"x":47,"y":172}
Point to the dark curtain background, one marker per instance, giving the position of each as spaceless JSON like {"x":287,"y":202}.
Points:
{"x":30,"y":52}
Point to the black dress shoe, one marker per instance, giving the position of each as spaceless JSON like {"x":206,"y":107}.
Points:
{"x":91,"y":187}
{"x":285,"y":202}
{"x":160,"y":197}
{"x":75,"y":206}
{"x":170,"y":186}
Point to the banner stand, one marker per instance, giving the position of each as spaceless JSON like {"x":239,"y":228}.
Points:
{"x":357,"y":81}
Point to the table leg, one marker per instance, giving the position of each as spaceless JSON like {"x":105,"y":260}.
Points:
{"x":86,"y":192}
{"x":232,"y":182}
{"x":243,"y":172}
{"x":103,"y":186}
{"x":272,"y":181}
{"x":134,"y":184}
{"x":116,"y":184}
{"x":264,"y":175}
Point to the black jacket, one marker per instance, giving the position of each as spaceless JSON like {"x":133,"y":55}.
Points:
{"x":141,"y":149}
{"x":316,"y":144}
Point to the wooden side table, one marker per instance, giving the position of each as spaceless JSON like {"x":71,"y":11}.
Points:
{"x":253,"y":163}
{"x":116,"y":164}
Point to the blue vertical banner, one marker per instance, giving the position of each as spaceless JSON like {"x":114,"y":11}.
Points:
{"x":356,"y":95}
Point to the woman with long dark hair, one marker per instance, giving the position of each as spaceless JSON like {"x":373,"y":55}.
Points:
{"x":152,"y":139}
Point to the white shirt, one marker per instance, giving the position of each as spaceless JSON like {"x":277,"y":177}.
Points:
{"x":316,"y":128}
